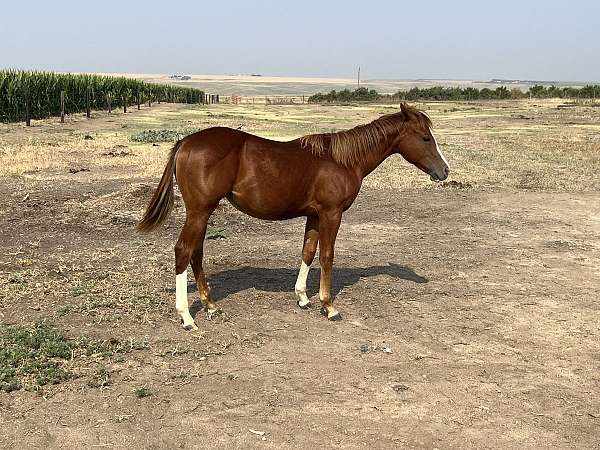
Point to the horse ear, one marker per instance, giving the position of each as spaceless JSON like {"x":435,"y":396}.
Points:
{"x":405,"y":110}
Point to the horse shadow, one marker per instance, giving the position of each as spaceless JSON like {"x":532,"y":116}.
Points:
{"x":275,"y":280}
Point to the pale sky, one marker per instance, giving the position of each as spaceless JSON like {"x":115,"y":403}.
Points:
{"x":539,"y":40}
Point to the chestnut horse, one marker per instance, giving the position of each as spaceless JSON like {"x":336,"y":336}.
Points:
{"x":317,"y":176}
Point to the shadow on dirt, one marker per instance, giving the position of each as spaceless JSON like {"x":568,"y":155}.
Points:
{"x":269,"y":279}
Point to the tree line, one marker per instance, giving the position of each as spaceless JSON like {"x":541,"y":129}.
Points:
{"x":457,"y":93}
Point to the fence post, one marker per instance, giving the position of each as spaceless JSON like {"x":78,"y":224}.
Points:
{"x":27,"y":109}
{"x":108,"y":100}
{"x":62,"y":106}
{"x":87,"y":102}
{"x":138,"y":101}
{"x":124,"y":104}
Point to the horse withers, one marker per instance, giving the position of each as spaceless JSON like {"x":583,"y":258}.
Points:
{"x":316,"y":176}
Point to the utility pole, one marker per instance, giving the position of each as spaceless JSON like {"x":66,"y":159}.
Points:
{"x":358,"y":79}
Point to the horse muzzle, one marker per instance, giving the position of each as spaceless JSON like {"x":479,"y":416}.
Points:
{"x":440,"y":175}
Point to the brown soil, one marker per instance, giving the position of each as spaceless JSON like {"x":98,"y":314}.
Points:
{"x":470,"y":321}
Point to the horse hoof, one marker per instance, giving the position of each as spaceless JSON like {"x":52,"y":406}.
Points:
{"x":335,"y":317}
{"x":190,"y":327}
{"x":303,"y":305}
{"x":210,"y":313}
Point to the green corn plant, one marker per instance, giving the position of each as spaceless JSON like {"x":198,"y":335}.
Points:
{"x":43,"y":90}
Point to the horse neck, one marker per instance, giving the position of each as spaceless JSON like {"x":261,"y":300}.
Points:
{"x":373,"y":159}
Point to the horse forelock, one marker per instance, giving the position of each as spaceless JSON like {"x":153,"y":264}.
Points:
{"x":354,"y":146}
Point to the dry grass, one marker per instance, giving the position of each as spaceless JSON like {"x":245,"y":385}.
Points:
{"x":511,"y":144}
{"x":499,"y":288}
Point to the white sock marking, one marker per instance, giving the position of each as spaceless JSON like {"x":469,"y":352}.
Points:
{"x":438,"y":149}
{"x":181,"y":300}
{"x":300,"y":287}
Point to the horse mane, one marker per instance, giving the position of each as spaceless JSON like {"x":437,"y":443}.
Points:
{"x":353,"y":146}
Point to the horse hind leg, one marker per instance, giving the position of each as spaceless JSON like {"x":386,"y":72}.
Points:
{"x":191,"y":236}
{"x":311,"y":238}
{"x":197,"y":256}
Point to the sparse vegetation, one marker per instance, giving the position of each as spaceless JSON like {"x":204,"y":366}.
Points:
{"x":32,"y":357}
{"x":142,"y":392}
{"x":152,"y":136}
{"x":215,"y":233}
{"x":99,"y":378}
{"x":39,"y":355}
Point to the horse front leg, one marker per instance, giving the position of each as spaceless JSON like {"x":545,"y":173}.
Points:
{"x":311,"y":238}
{"x":329,"y":224}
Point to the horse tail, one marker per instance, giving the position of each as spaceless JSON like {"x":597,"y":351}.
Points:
{"x":161,"y":203}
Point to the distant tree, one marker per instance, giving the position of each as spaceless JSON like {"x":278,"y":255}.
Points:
{"x":457,"y":93}
{"x":516,"y":93}
{"x":358,"y":95}
{"x":486,"y":94}
{"x":553,"y":92}
{"x":502,"y":92}
{"x":538,"y":91}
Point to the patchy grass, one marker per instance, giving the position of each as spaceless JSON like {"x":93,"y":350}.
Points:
{"x":142,"y":392}
{"x":152,"y":136}
{"x":215,"y":233}
{"x":31,"y":357}
{"x":99,"y":378}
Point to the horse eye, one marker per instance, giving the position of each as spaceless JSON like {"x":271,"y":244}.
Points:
{"x":426,"y":138}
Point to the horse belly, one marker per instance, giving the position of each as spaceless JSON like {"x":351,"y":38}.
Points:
{"x":268,"y":202}
{"x":270,"y":184}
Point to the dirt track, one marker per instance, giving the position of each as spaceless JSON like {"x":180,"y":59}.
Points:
{"x":470,"y":321}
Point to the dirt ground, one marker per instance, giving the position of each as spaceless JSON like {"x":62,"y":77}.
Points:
{"x":471,"y":311}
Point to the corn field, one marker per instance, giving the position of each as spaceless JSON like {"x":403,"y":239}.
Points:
{"x":40,"y":93}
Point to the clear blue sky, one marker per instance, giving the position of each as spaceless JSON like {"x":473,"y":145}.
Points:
{"x":542,"y":40}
